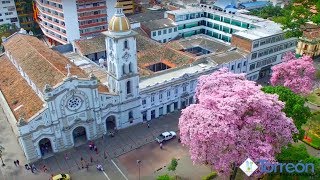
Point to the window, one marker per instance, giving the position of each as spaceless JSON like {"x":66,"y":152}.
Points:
{"x":168,"y":94}
{"x":110,"y":44}
{"x":305,"y":47}
{"x":175,"y":29}
{"x":185,"y":88}
{"x":159,"y":33}
{"x":130,"y":115}
{"x":165,"y":31}
{"x":252,"y":66}
{"x":176,"y":90}
{"x":130,"y":67}
{"x":239,"y":65}
{"x":152,"y":98}
{"x":126,"y":44}
{"x":128,"y":87}
{"x":154,"y":33}
{"x":160,"y":95}
{"x":144,"y":102}
{"x":165,"y":40}
{"x":232,"y":67}
{"x":245,"y":63}
{"x":254,"y":55}
{"x":170,"y":30}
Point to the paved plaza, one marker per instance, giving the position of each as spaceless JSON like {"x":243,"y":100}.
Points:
{"x":109,"y":149}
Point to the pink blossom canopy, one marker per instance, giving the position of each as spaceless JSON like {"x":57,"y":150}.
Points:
{"x":232,"y":121}
{"x":296,"y":74}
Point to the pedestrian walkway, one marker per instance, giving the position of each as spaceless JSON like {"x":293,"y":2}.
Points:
{"x":13,"y":152}
{"x":109,"y":148}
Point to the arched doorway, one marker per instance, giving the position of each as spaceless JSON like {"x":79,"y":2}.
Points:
{"x":111,"y":123}
{"x":45,"y":147}
{"x":79,"y":136}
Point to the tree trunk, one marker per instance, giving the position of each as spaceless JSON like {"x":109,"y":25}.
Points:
{"x":234,"y":172}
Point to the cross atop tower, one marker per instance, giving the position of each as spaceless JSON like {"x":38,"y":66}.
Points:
{"x":68,"y":69}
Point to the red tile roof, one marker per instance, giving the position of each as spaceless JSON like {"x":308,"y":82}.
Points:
{"x":22,"y":100}
{"x":42,"y":64}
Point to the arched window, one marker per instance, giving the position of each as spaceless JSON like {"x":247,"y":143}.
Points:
{"x":110,"y":44}
{"x":130,"y":67}
{"x":128,"y":87}
{"x":126,"y":46}
{"x":124,"y":69}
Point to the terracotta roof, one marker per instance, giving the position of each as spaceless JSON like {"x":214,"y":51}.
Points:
{"x":22,"y":100}
{"x":90,"y":46}
{"x":42,"y":64}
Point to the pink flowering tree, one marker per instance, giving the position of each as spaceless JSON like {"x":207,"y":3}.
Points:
{"x":296,"y":74}
{"x":233,"y":120}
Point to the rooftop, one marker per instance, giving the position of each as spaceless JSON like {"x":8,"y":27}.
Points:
{"x":146,"y":16}
{"x":225,"y":57}
{"x":90,"y":67}
{"x":158,"y":24}
{"x":42,"y":64}
{"x":203,"y":41}
{"x":21,"y":98}
{"x":90,"y":46}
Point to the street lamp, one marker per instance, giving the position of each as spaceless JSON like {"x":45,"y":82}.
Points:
{"x":138,"y":163}
{"x":1,"y":148}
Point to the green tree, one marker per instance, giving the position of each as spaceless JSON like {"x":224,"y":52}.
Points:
{"x":294,"y":106}
{"x":173,"y":165}
{"x":296,"y":153}
{"x":165,"y":177}
{"x":268,"y":12}
{"x":297,"y":14}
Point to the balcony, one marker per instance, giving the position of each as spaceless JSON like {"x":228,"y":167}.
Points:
{"x":92,"y":8}
{"x":53,"y":29}
{"x":93,"y":24}
{"x":52,"y":36}
{"x":91,"y":17}
{"x":93,"y":32}
{"x":50,"y":14}
{"x":49,"y":6}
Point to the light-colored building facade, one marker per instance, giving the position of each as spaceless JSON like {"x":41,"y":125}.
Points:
{"x":74,"y":106}
{"x":309,"y":43}
{"x":64,"y":21}
{"x":8,"y":13}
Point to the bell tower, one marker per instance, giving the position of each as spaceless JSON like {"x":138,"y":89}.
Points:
{"x":123,"y":77}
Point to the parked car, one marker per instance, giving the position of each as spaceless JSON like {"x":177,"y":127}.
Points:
{"x":165,"y":136}
{"x":61,"y":177}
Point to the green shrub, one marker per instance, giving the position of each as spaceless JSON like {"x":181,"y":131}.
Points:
{"x":211,"y":176}
{"x":165,"y":177}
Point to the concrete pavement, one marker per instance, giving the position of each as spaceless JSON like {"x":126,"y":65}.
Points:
{"x":109,"y":148}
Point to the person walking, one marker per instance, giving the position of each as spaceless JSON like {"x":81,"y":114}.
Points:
{"x":66,"y":156}
{"x":91,"y":159}
{"x":17,"y":161}
{"x":96,"y":149}
{"x":160,"y":145}
{"x":148,"y":125}
{"x":33,"y":167}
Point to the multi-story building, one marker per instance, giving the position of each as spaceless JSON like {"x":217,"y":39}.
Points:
{"x":309,"y":43}
{"x":64,"y":21}
{"x":138,"y":81}
{"x":26,"y":15}
{"x":8,"y":13}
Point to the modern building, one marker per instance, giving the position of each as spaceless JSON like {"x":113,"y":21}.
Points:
{"x":26,"y":16}
{"x":64,"y":21}
{"x":8,"y":13}
{"x":309,"y":43}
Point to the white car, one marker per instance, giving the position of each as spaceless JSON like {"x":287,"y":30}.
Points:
{"x":165,"y":136}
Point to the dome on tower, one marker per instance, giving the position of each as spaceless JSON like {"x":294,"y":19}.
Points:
{"x":119,"y":22}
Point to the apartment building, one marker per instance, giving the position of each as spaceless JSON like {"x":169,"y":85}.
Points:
{"x":8,"y":13}
{"x":64,"y":21}
{"x":26,"y":16}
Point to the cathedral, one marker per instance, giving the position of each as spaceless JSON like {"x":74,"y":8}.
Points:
{"x":53,"y":105}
